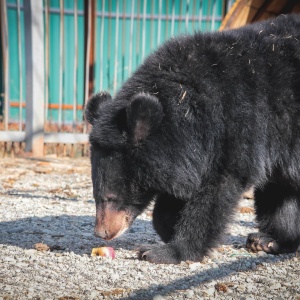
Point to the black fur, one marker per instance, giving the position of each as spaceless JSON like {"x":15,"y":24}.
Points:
{"x":204,"y":118}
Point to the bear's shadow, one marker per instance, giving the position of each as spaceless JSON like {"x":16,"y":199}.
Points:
{"x":66,"y":233}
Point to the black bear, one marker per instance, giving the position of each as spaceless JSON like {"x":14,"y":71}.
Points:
{"x":204,"y":118}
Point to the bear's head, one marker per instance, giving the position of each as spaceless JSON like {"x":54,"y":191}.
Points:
{"x":119,"y":132}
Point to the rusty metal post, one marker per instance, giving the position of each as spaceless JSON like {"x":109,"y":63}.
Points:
{"x":35,"y":73}
{"x":89,"y":35}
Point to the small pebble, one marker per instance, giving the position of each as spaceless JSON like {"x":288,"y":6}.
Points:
{"x":159,"y":297}
{"x":262,"y":254}
{"x":210,"y":291}
{"x":190,"y":294}
{"x":275,"y":286}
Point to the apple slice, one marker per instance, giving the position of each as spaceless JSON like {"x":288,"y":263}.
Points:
{"x":104,"y":252}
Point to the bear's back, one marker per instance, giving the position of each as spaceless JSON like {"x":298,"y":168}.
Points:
{"x":204,"y":65}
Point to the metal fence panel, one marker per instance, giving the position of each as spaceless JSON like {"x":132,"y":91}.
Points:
{"x":142,"y":26}
{"x":122,"y":34}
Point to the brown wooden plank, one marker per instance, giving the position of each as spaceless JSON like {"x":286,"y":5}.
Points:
{"x":234,"y":18}
{"x":249,"y":11}
{"x":50,"y":106}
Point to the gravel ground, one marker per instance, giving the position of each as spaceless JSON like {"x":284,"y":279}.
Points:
{"x":50,"y":201}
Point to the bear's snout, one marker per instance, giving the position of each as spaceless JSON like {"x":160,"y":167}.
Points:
{"x":110,"y":232}
{"x":110,"y":222}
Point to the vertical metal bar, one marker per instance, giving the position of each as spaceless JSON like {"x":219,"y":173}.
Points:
{"x":47,"y":47}
{"x":109,"y":42}
{"x":159,"y":22}
{"x":180,"y":17}
{"x":137,"y":44}
{"x":187,"y":16}
{"x":75,"y":64}
{"x":193,"y":14}
{"x":144,"y":29}
{"x":20,"y":65}
{"x":213,"y":20}
{"x":152,"y":25}
{"x":88,"y":6}
{"x":61,"y":65}
{"x":116,"y":47}
{"x":173,"y":18}
{"x":208,"y":16}
{"x":131,"y":38}
{"x":93,"y":48}
{"x":101,"y":45}
{"x":124,"y":27}
{"x":200,"y":14}
{"x":5,"y":53}
{"x":167,"y":19}
{"x":34,"y":41}
{"x":89,"y":34}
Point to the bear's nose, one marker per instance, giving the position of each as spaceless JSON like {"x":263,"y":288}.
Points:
{"x":101,"y":233}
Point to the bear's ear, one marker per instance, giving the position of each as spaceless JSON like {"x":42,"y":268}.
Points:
{"x":93,"y":107}
{"x":144,"y":115}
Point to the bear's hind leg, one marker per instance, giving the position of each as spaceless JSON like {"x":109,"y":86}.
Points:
{"x":278,"y":215}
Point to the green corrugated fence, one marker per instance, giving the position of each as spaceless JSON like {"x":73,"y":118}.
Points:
{"x":126,"y":31}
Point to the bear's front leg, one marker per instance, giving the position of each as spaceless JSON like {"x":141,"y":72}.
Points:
{"x":201,"y":221}
{"x":160,"y":254}
{"x":166,"y":215}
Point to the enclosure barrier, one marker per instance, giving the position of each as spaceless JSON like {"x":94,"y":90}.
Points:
{"x":55,"y":53}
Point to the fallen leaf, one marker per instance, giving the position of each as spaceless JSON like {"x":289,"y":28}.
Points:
{"x":42,"y":170}
{"x":43,"y":163}
{"x":10,"y":181}
{"x":114,"y":292}
{"x":221,"y":249}
{"x":221,"y":287}
{"x":246,"y":210}
{"x":41,"y":247}
{"x":54,"y":191}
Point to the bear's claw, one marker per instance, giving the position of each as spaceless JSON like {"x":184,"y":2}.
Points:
{"x":159,"y":254}
{"x":262,"y":242}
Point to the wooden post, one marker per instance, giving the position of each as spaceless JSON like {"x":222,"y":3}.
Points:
{"x":35,"y":82}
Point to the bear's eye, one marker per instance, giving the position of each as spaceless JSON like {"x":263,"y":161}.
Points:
{"x":109,"y":197}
